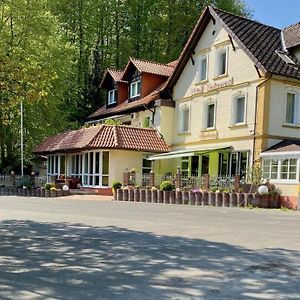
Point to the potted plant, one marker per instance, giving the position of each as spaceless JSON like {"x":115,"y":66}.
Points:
{"x":115,"y":186}
{"x":166,"y":186}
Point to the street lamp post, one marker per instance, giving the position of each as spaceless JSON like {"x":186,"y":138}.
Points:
{"x":22,"y":140}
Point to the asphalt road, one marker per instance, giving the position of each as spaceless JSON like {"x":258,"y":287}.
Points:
{"x":78,"y":249}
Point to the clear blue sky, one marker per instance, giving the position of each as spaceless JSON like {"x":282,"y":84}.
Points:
{"x":277,"y":13}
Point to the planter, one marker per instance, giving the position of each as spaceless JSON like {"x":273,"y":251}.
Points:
{"x":185,"y":197}
{"x":125,"y":194}
{"x":172,"y":197}
{"x":240,"y":199}
{"x":47,"y":193}
{"x":256,"y":201}
{"x":154,"y":196}
{"x":114,"y":194}
{"x":66,"y":193}
{"x":166,"y":197}
{"x":205,"y":198}
{"x":178,"y":197}
{"x":53,"y":194}
{"x":160,"y":196}
{"x":198,"y":198}
{"x":192,"y":198}
{"x":130,"y":195}
{"x":265,"y":201}
{"x":19,"y":191}
{"x":38,"y":192}
{"x":59,"y":193}
{"x":219,"y":199}
{"x":136,"y":196}
{"x":211,"y":198}
{"x":274,"y":201}
{"x":225,"y":201}
{"x":119,"y":194}
{"x":142,"y":196}
{"x":6,"y":191}
{"x":232,"y":199}
{"x":148,"y":196}
{"x":27,"y":193}
{"x":32,"y":193}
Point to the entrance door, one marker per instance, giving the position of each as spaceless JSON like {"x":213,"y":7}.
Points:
{"x":205,"y":164}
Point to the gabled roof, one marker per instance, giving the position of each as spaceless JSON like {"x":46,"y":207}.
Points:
{"x":104,"y":137}
{"x":115,"y":74}
{"x":127,"y":106}
{"x":260,"y":42}
{"x":150,"y":67}
{"x":292,"y":35}
{"x":285,"y":146}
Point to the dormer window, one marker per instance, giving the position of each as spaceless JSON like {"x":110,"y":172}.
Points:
{"x":135,"y":89}
{"x":111,"y":97}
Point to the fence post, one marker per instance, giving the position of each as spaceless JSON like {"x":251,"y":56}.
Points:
{"x":126,"y":178}
{"x":206,"y":182}
{"x":32,"y":177}
{"x":236,"y":183}
{"x":13,"y":178}
{"x":151,"y":178}
{"x":178,"y":181}
{"x":132,"y":178}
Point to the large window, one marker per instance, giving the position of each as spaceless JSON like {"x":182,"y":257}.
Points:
{"x":291,"y":108}
{"x":280,"y":169}
{"x":56,"y":165}
{"x":239,"y":110}
{"x":222,"y":62}
{"x":135,"y":89}
{"x":203,"y":68}
{"x":92,"y":167}
{"x":147,"y":166}
{"x":233,"y":163}
{"x":111,"y":97}
{"x":184,"y":119}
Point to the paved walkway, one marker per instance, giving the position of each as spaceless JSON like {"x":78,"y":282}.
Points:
{"x":59,"y":248}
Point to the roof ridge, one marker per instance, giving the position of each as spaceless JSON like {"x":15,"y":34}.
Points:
{"x":242,"y":17}
{"x":95,"y":135}
{"x":151,"y":61}
{"x":115,"y":134}
{"x":292,"y":25}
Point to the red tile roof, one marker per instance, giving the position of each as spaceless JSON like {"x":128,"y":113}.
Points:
{"x":151,"y":67}
{"x":126,"y":106}
{"x":105,"y":137}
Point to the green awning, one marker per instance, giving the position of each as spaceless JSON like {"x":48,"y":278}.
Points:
{"x":184,"y":153}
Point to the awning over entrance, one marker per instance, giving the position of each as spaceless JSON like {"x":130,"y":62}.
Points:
{"x":185,"y":153}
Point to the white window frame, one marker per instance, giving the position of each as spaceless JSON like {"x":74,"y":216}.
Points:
{"x":205,"y":115}
{"x":202,"y":58}
{"x":54,"y":165}
{"x":134,"y":85}
{"x":234,"y":109}
{"x":218,"y":61}
{"x":296,"y":108}
{"x":181,"y":121}
{"x":111,"y":96}
{"x":279,"y":179}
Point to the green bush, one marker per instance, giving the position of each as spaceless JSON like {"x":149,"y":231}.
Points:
{"x":48,"y":186}
{"x":116,"y":185}
{"x":166,"y":186}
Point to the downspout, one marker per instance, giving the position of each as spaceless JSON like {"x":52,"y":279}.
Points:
{"x":255,"y":117}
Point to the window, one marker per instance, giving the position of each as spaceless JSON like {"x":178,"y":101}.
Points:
{"x":222,"y":62}
{"x":233,"y":163}
{"x":288,"y":168}
{"x":203,"y":68}
{"x":56,"y":165}
{"x":270,"y":168}
{"x":111,"y":97}
{"x":147,"y":166}
{"x":135,"y":89}
{"x":95,"y":166}
{"x":185,"y":119}
{"x":239,"y":110}
{"x":210,"y":115}
{"x":280,"y":169}
{"x":290,"y":114}
{"x":185,"y":166}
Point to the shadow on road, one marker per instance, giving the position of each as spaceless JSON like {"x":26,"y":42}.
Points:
{"x":75,"y":261}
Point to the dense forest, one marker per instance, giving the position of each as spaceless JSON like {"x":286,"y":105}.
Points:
{"x":53,"y":54}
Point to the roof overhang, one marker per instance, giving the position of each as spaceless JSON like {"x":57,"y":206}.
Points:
{"x":282,"y":154}
{"x":185,"y":153}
